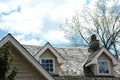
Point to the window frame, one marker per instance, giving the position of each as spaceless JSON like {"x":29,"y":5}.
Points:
{"x":108,"y":67}
{"x":53,"y":64}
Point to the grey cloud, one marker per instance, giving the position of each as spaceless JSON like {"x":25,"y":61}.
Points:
{"x":18,"y":9}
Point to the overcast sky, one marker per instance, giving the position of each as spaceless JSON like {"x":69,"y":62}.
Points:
{"x":36,"y":22}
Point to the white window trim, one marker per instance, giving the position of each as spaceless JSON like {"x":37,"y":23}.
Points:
{"x":53,"y":64}
{"x":108,"y":67}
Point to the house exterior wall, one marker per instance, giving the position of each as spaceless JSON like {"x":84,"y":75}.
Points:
{"x":26,"y":71}
{"x":94,"y":68}
{"x":49,"y":54}
{"x":105,"y":57}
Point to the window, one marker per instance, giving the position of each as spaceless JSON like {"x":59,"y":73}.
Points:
{"x":103,"y":67}
{"x":48,"y":64}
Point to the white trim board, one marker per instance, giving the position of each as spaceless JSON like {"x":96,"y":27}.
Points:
{"x":26,"y":54}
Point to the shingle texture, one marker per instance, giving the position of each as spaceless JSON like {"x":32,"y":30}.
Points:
{"x":75,"y":58}
{"x":32,"y":49}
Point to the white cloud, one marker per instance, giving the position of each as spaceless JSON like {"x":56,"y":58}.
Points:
{"x":32,"y":41}
{"x":29,"y":20}
{"x":55,"y":37}
{"x":66,"y":10}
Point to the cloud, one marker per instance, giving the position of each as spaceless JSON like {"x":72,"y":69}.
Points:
{"x":55,"y":37}
{"x":37,"y":20}
{"x":30,"y":41}
{"x":23,"y":22}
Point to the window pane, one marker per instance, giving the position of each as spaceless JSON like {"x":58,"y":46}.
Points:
{"x":43,"y":60}
{"x":51,"y":65}
{"x":51,"y":61}
{"x":103,"y":67}
{"x":47,"y":65}
{"x":47,"y":69}
{"x":43,"y":65}
{"x":47,"y":61}
{"x":51,"y":69}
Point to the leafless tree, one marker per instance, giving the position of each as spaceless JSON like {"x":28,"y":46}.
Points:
{"x":103,"y":20}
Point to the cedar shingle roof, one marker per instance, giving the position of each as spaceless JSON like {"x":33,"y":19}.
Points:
{"x":91,"y":56}
{"x":75,"y":58}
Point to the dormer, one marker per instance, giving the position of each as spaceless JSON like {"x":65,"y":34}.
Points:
{"x":50,"y":59}
{"x":101,"y":63}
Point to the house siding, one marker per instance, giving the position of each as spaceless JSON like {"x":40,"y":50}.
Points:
{"x":49,"y":54}
{"x":93,"y":68}
{"x":26,"y":71}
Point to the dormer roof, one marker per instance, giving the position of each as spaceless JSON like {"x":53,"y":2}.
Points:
{"x":92,"y":58}
{"x":60,"y":59}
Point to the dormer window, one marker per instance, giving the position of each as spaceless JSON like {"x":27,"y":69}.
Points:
{"x":48,"y":64}
{"x":103,"y":67}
